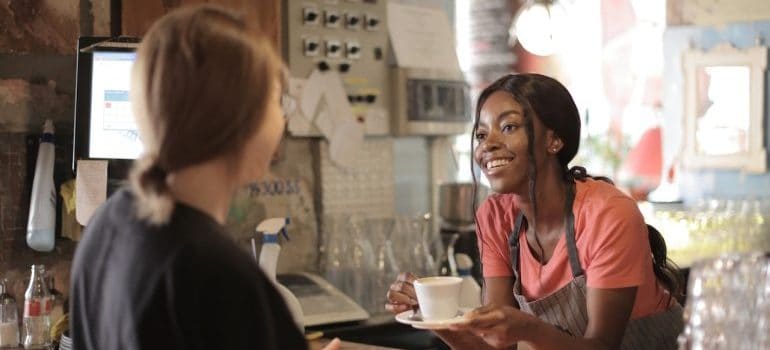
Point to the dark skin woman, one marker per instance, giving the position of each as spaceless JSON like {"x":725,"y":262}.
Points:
{"x":568,"y":261}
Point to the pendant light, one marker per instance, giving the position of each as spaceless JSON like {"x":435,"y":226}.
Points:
{"x":539,"y":26}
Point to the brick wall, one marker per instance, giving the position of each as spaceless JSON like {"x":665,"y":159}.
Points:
{"x":37,"y":69}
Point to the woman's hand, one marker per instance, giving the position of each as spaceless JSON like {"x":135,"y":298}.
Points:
{"x":333,"y":345}
{"x":499,"y":326}
{"x":401,"y":296}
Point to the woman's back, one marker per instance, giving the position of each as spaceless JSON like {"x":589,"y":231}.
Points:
{"x":183,"y":285}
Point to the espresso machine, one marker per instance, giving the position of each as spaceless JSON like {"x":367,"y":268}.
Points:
{"x":457,"y":225}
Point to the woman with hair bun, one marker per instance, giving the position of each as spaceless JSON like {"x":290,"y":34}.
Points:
{"x":156,"y":268}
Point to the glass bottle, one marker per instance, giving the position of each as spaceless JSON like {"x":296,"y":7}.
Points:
{"x":37,"y":311}
{"x":57,"y":300}
{"x":9,"y":319}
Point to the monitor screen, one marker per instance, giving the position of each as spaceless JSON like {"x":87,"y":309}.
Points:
{"x":104,"y":122}
{"x":112,"y":132}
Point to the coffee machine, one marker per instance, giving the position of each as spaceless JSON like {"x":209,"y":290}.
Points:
{"x":457,"y":225}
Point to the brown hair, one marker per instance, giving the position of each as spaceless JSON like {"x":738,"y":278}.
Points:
{"x":200,"y":86}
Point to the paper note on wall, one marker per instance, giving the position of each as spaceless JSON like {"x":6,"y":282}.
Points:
{"x":346,"y":143}
{"x":422,"y":37}
{"x":90,"y":188}
{"x":324,"y":122}
{"x":336,"y":98}
{"x":312,"y":91}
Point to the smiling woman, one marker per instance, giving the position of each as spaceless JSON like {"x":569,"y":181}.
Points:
{"x":585,"y":270}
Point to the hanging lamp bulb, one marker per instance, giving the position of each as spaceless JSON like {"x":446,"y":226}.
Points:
{"x":540,"y":27}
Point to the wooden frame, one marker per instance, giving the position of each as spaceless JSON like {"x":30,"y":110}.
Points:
{"x":752,"y":158}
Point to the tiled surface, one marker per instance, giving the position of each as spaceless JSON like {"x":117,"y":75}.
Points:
{"x":366,"y":188}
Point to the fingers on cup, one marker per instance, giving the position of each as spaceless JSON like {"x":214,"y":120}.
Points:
{"x":404,"y":288}
{"x":406,"y":277}
{"x":397,"y":308}
{"x":398,"y":301}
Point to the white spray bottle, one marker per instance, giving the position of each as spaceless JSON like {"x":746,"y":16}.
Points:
{"x":42,"y":203}
{"x":470,"y":292}
{"x":268,"y":260}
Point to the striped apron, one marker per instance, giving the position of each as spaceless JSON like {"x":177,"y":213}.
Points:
{"x":566,"y":308}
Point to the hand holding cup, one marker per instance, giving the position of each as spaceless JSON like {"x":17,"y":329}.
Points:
{"x":401,"y":295}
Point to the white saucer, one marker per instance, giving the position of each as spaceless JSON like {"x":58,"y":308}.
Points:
{"x":435,"y":324}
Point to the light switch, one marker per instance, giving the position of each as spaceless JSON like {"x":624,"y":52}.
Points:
{"x":310,"y":16}
{"x":372,"y":22}
{"x":353,"y":50}
{"x":352,"y":21}
{"x":312,"y":47}
{"x":332,"y":19}
{"x":333,"y":48}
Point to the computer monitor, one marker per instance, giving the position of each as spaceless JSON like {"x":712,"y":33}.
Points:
{"x":104,"y":123}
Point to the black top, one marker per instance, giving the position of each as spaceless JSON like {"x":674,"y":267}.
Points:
{"x":184,"y":285}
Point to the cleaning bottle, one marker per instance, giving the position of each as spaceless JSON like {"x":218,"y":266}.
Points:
{"x":268,"y":260}
{"x":470,"y":292}
{"x":42,"y":204}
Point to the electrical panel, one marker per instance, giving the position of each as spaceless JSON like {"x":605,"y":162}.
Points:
{"x":349,"y":37}
{"x":430,"y":102}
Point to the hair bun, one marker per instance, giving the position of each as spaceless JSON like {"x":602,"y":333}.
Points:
{"x":578,"y":172}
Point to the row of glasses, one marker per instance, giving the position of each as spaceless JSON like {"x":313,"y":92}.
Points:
{"x":347,"y":257}
{"x":413,"y":241}
{"x":363,"y":255}
{"x":713,"y":227}
{"x":728,"y":304}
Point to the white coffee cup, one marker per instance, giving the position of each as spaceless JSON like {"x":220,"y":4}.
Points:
{"x":439,"y":297}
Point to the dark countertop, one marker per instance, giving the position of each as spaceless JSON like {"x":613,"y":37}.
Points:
{"x":382,"y":330}
{"x":379,"y":332}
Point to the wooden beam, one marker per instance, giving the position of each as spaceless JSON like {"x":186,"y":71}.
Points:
{"x":138,"y":15}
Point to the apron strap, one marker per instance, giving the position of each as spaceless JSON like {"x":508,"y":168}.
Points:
{"x":574,"y":258}
{"x":513,"y":242}
{"x":572,"y":252}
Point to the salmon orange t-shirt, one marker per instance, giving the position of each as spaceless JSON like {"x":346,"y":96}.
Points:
{"x":612,"y":243}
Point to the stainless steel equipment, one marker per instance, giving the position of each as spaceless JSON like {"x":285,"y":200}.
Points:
{"x":456,"y":202}
{"x":457,"y":224}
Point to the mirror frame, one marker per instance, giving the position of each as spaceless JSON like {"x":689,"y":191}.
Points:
{"x":755,"y":58}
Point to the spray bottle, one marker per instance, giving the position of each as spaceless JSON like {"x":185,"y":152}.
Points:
{"x":470,"y":292}
{"x":42,"y":205}
{"x":268,"y":260}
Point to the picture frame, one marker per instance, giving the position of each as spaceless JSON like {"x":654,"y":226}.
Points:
{"x":724,"y":108}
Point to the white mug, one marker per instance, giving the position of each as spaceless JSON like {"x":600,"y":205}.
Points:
{"x":439,"y":297}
